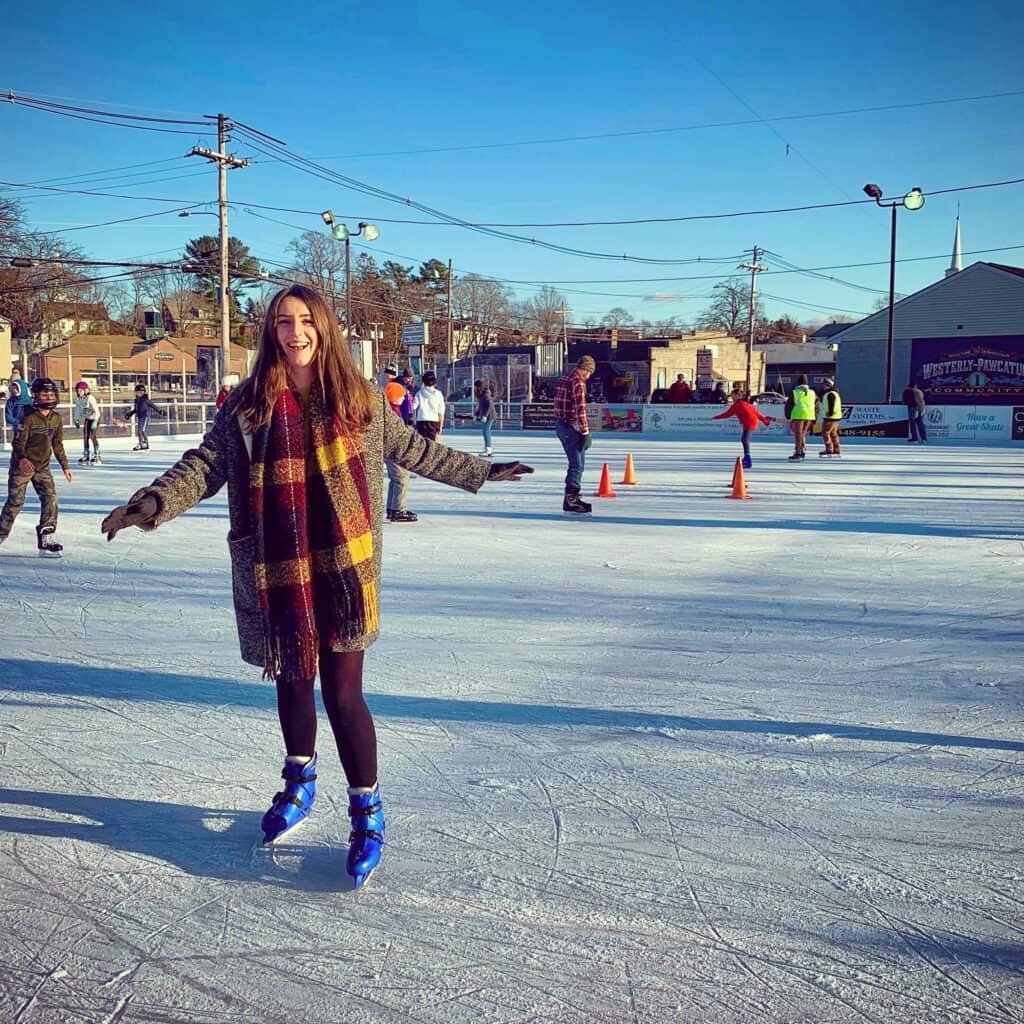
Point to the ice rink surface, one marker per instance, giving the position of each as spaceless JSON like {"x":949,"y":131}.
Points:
{"x":691,"y":760}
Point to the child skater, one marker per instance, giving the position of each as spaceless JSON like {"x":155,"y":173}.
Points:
{"x":40,"y":435}
{"x":749,"y":416}
{"x":301,"y":446}
{"x":141,"y":408}
{"x":86,"y":414}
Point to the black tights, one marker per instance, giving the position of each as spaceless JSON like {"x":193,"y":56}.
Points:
{"x":341,"y":686}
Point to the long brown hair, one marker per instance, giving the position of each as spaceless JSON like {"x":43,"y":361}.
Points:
{"x":344,"y":389}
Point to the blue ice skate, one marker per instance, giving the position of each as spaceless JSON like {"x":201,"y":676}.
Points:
{"x":746,"y":462}
{"x":367,"y":836}
{"x":294,"y":802}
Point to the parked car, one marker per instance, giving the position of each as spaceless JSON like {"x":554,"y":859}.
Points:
{"x":770,"y":397}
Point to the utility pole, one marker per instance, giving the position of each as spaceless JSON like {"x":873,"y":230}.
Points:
{"x":450,"y":352}
{"x":755,"y":268}
{"x":565,"y":339}
{"x":223,"y":160}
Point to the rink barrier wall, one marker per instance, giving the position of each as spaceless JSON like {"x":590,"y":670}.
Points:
{"x":968,"y":423}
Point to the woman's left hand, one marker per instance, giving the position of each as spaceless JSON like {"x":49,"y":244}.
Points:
{"x":508,"y":470}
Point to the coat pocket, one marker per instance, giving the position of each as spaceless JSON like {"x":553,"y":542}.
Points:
{"x":248,"y":618}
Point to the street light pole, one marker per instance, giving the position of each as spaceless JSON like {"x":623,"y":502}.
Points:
{"x":913,"y":200}
{"x":341,"y":233}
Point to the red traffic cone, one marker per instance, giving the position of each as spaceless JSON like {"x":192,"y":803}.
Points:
{"x":739,"y":487}
{"x":629,"y":477}
{"x":604,"y":489}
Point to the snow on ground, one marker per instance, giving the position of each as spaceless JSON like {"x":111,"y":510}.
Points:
{"x":692,"y":760}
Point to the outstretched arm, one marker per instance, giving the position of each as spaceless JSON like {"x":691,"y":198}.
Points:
{"x":199,"y":473}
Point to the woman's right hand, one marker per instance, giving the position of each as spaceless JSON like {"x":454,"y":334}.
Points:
{"x":136,"y":513}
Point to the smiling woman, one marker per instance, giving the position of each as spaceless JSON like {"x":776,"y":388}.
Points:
{"x":297,"y":338}
{"x":301,"y":446}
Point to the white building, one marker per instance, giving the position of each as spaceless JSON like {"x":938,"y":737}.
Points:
{"x":977,"y":312}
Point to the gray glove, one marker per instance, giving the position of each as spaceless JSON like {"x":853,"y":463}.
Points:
{"x":508,"y":470}
{"x":136,"y":513}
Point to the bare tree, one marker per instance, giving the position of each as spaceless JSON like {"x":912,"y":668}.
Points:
{"x":546,"y":313}
{"x":484,"y":307}
{"x":729,"y":311}
{"x":319,"y":261}
{"x":617,"y":317}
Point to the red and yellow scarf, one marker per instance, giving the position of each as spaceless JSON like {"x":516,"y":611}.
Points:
{"x":314,"y":542}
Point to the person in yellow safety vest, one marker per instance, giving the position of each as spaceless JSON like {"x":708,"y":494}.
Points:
{"x":831,"y":414}
{"x":801,"y":410}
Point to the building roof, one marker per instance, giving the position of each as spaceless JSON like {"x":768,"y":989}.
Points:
{"x":1019,"y":271}
{"x":980,"y":265}
{"x":51,"y":311}
{"x":827,"y":330}
{"x":798,"y":352}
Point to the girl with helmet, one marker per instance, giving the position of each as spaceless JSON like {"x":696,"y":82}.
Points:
{"x":86,"y":414}
{"x":301,"y":445}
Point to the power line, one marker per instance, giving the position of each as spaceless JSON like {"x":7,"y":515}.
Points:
{"x":638,"y":132}
{"x":104,"y":224}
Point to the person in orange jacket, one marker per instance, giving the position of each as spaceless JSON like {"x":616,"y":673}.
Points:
{"x":749,"y":416}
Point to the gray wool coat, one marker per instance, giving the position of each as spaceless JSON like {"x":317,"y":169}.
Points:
{"x":223,"y":457}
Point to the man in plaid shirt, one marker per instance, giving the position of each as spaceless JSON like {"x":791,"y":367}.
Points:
{"x":573,"y":430}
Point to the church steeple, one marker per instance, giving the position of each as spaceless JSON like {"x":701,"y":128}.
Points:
{"x":957,"y":263}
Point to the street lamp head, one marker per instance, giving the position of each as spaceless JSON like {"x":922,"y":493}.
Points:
{"x":914,"y":199}
{"x":340,"y":232}
{"x":328,"y":217}
{"x":873,"y":191}
{"x":369,"y":231}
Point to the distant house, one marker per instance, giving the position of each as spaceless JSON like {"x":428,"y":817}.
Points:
{"x":195,"y":316}
{"x":192,"y":316}
{"x":60,"y":320}
{"x":828,"y":331}
{"x":6,"y":348}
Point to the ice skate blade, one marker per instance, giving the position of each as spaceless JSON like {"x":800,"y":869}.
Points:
{"x":50,"y":554}
{"x":359,"y":880}
{"x":577,"y":515}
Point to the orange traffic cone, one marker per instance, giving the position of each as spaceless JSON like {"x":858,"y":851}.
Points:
{"x":604,"y":489}
{"x":739,"y":488}
{"x":629,"y":477}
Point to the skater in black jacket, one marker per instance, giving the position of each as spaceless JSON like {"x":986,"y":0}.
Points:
{"x":141,"y":409}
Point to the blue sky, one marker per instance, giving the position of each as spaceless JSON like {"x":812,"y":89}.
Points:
{"x":431,"y":101}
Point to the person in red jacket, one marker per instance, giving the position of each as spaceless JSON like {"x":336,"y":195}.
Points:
{"x":749,"y":418}
{"x":680,"y":392}
{"x":228,"y":384}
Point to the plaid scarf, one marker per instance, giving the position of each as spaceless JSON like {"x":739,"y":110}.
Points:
{"x":314,"y":544}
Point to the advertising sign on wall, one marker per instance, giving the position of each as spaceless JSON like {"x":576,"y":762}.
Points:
{"x":969,"y":371}
{"x":602,"y":418}
{"x":705,"y":369}
{"x":1017,"y":424}
{"x":698,"y":421}
{"x":967,"y":423}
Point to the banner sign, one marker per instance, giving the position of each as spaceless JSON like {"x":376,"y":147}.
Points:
{"x":969,"y":371}
{"x":874,"y":421}
{"x":1017,"y":424}
{"x":601,"y":418}
{"x":616,"y":418}
{"x":415,"y":334}
{"x":697,"y":421}
{"x":539,"y":416}
{"x":968,"y":423}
